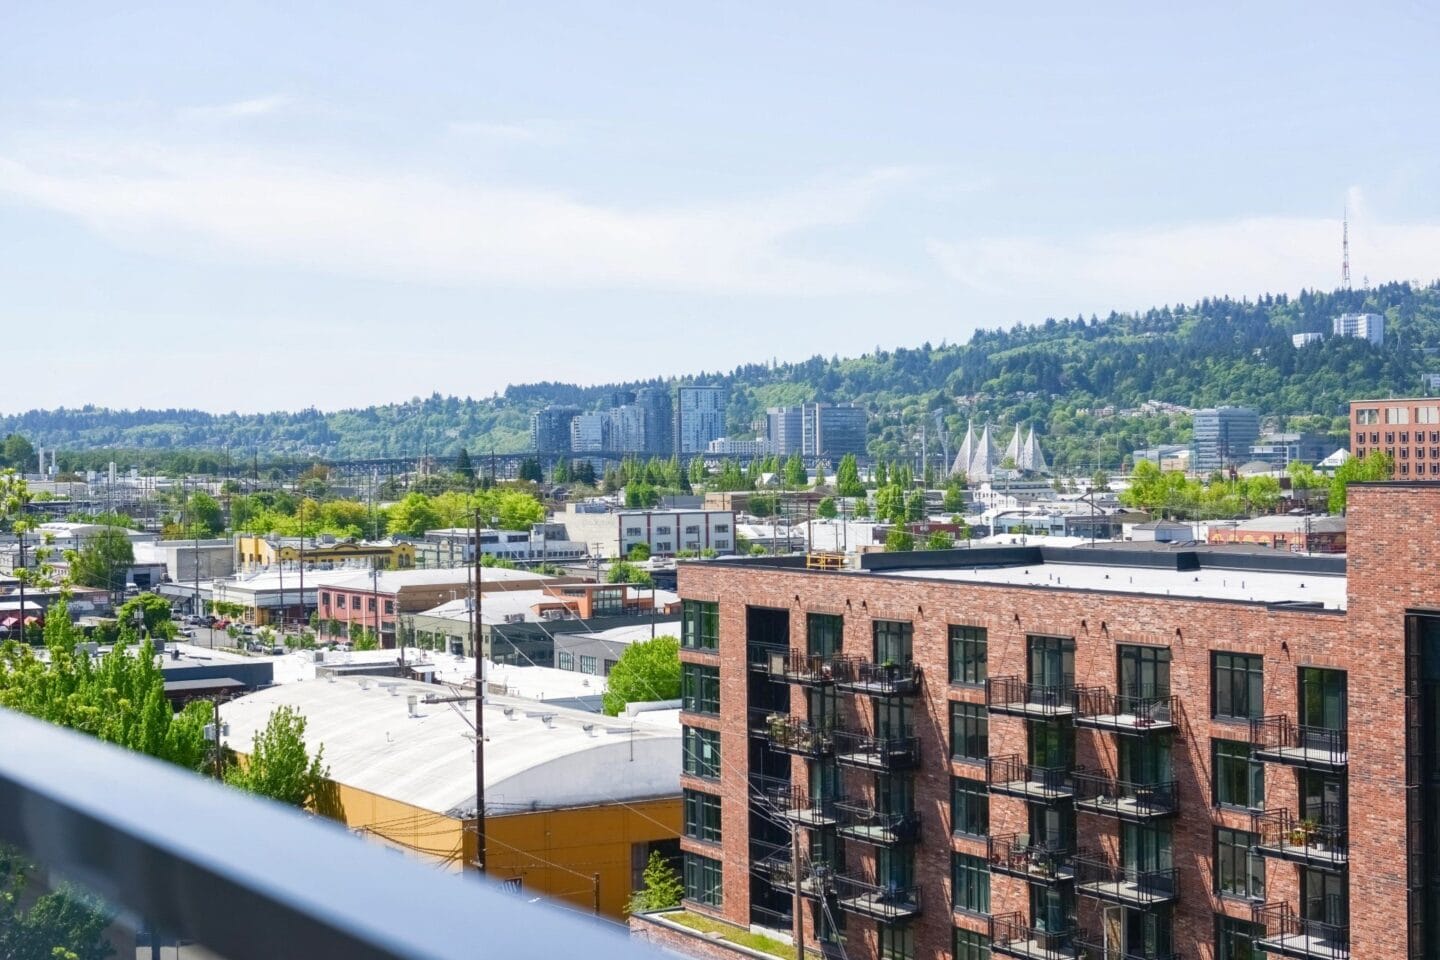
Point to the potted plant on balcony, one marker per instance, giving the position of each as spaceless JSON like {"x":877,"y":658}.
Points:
{"x":778,"y":724}
{"x":1301,"y":832}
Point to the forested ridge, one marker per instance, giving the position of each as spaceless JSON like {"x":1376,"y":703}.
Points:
{"x":1058,"y":375}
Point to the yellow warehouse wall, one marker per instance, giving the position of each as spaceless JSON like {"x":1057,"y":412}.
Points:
{"x":554,"y":853}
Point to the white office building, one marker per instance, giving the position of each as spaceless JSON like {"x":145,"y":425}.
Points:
{"x":1366,"y":326}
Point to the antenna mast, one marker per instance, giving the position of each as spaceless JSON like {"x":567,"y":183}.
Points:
{"x":1345,"y":250}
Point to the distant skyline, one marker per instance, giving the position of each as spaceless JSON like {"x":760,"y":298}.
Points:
{"x":271,"y":206}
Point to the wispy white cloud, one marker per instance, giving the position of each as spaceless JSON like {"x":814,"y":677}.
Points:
{"x":252,"y":107}
{"x":1135,"y":269}
{"x":412,"y":226}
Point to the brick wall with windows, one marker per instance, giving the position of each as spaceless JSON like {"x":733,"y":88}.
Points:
{"x":1210,"y":644}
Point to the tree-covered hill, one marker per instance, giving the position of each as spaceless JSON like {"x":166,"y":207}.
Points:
{"x":1062,"y":375}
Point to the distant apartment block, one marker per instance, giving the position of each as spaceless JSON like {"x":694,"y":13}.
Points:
{"x":1278,"y":449}
{"x":747,"y":449}
{"x":659,"y":419}
{"x":699,"y":417}
{"x":1302,"y":339}
{"x":1223,"y":437}
{"x":1408,"y":430}
{"x":550,"y":429}
{"x":817,"y":430}
{"x":1366,"y":326}
{"x":590,"y":433}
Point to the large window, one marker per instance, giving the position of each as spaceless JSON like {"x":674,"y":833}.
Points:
{"x":968,"y":655}
{"x":702,"y":752}
{"x":1236,"y":686}
{"x":587,"y":664}
{"x":565,"y":660}
{"x":969,"y":731}
{"x":704,"y":880}
{"x":823,"y":634}
{"x":1239,"y":871}
{"x":1235,"y":939}
{"x":699,"y":625}
{"x":969,"y":807}
{"x":699,"y":688}
{"x":897,"y":943}
{"x":893,"y":641}
{"x":702,"y":816}
{"x":1239,"y":780}
{"x":970,"y":945}
{"x":1052,"y":665}
{"x":971,"y":876}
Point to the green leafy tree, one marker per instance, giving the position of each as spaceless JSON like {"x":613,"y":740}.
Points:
{"x":205,"y":514}
{"x":366,"y":640}
{"x":1371,"y":468}
{"x":464,"y":468}
{"x":63,"y":924}
{"x":795,"y":476}
{"x":862,"y":508}
{"x":915,"y":506}
{"x":826,"y":509}
{"x":412,"y":516}
{"x":847,"y":477}
{"x":954,"y":495}
{"x":819,"y":474}
{"x":639,"y":553}
{"x":153,"y":609}
{"x":939,"y":540}
{"x":17,"y":453}
{"x":662,"y":888}
{"x":103,"y":560}
{"x":623,"y":571}
{"x":279,"y":765}
{"x":899,"y":540}
{"x":646,"y":671}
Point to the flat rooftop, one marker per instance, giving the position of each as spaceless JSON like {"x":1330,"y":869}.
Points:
{"x":1219,"y":584}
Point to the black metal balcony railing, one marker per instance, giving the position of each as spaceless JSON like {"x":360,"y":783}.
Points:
{"x":1124,"y":800}
{"x":1012,"y":935}
{"x":887,"y":679}
{"x":795,"y":666}
{"x":272,"y":883}
{"x":1289,"y":935}
{"x":1014,"y":855}
{"x":1012,"y":776}
{"x":778,"y":869}
{"x":796,"y":803}
{"x":1096,"y":876}
{"x":758,"y":655}
{"x":1279,"y":739}
{"x":881,"y":828}
{"x":1321,"y":842}
{"x":1092,"y":943}
{"x":888,"y":752}
{"x":796,"y":736}
{"x":1013,"y":695}
{"x":887,"y":902}
{"x":1098,"y":708}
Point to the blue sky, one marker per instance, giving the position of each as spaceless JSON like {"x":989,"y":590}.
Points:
{"x":265,"y":206}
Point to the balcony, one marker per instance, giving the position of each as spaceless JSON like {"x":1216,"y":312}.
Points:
{"x":789,"y":735}
{"x":1287,"y":935}
{"x":1013,"y":696}
{"x":1097,"y":877}
{"x":1013,"y":777}
{"x":1322,"y":843}
{"x":1280,"y":739}
{"x":1014,"y":855}
{"x":793,"y":666}
{"x":779,"y":870}
{"x":881,"y":679}
{"x":1123,"y":800}
{"x":878,"y":828}
{"x":1094,"y":944}
{"x":1098,"y":708}
{"x":796,"y":805}
{"x":890,"y":903}
{"x":271,"y":883}
{"x":882,"y":754}
{"x":1010,"y":936}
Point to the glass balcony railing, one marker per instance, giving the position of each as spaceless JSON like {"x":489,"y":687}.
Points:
{"x":228,"y":875}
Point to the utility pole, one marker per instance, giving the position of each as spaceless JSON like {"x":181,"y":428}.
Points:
{"x":302,"y":566}
{"x":479,"y":709}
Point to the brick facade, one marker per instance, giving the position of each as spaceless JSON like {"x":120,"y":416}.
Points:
{"x":1393,"y":568}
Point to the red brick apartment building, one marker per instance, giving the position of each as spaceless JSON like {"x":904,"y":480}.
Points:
{"x":1408,"y":430}
{"x":1053,"y":754}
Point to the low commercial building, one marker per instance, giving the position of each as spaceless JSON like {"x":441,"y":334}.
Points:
{"x":542,"y":543}
{"x":374,"y":599}
{"x":574,"y":802}
{"x":664,"y":532}
{"x":1302,"y":534}
{"x":523,"y":625}
{"x":254,"y":552}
